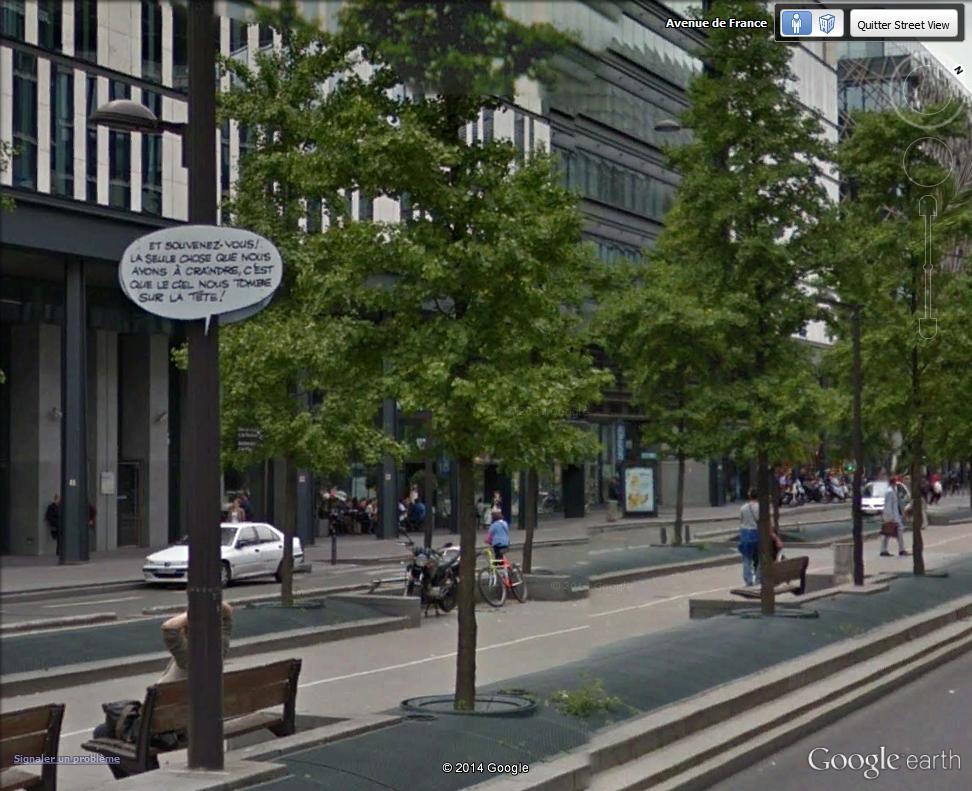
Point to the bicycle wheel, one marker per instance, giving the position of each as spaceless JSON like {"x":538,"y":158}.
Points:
{"x":517,"y":582}
{"x":491,"y":587}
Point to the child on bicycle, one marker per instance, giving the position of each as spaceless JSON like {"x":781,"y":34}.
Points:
{"x":498,"y":536}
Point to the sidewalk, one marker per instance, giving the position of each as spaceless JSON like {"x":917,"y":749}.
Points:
{"x":644,"y":673}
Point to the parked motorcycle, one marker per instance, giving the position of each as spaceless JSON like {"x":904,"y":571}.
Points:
{"x":434,"y":573}
{"x":816,"y":491}
{"x":836,"y":490}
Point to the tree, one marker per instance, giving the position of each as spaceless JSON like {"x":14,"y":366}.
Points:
{"x":487,"y":274}
{"x":306,"y":372}
{"x":887,"y":219}
{"x":669,"y":337}
{"x":750,"y":193}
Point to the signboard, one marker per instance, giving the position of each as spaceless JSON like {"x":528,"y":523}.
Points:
{"x":247,"y":438}
{"x":639,"y":490}
{"x":199,"y":271}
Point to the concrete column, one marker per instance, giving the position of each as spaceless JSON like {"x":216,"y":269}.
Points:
{"x":103,"y":436}
{"x":34,"y":379}
{"x":144,"y":432}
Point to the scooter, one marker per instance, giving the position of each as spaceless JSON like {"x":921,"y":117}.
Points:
{"x":435,"y":574}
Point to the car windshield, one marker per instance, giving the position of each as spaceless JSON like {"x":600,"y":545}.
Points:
{"x":876,"y":489}
{"x":229,"y":536}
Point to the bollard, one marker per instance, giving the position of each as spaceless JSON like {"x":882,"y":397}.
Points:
{"x":333,"y":547}
{"x":688,"y":535}
{"x":843,"y":563}
{"x":664,"y":535}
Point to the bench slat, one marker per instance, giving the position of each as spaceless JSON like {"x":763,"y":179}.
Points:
{"x":177,"y":691}
{"x":18,"y":778}
{"x":175,"y":716}
{"x":106,"y":746}
{"x":25,"y":721}
{"x":21,"y":744}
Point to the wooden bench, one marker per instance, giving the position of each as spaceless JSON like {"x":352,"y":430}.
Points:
{"x":246,"y":693}
{"x":789,"y":576}
{"x":30,"y":732}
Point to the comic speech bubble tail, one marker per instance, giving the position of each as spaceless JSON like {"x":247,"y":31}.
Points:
{"x":209,"y":317}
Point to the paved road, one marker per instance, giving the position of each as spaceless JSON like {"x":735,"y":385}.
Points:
{"x":925,"y":718}
{"x":371,"y":674}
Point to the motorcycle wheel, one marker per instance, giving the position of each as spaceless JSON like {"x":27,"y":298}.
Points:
{"x":491,"y":587}
{"x":518,"y":583}
{"x":448,"y":599}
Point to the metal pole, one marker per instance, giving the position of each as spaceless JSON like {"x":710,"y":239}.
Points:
{"x":74,"y":368}
{"x":858,"y":529}
{"x":202,"y":423}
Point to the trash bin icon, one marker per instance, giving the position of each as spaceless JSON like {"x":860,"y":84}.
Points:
{"x":826,"y":22}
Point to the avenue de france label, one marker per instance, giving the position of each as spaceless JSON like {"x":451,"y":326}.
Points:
{"x":198,"y":271}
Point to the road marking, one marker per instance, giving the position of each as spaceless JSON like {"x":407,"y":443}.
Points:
{"x":86,"y":603}
{"x":436,"y":657}
{"x":659,"y":601}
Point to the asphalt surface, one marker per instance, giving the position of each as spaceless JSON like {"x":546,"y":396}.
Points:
{"x":925,"y":718}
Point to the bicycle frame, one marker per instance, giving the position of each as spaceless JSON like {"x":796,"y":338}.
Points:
{"x":501,"y":567}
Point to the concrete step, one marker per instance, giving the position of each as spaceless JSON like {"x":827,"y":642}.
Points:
{"x":723,"y":765}
{"x":704,"y":757}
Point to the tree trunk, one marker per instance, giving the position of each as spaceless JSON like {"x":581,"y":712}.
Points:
{"x":289,"y":527}
{"x":466,"y":653}
{"x":429,"y":486}
{"x":767,"y":594}
{"x":533,"y":484}
{"x":968,"y":480}
{"x":775,"y":494}
{"x":917,"y":465}
{"x":679,"y":500}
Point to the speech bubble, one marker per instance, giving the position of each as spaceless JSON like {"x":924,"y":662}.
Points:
{"x":195,"y":272}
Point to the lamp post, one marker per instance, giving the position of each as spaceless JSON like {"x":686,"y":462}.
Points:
{"x":200,"y":447}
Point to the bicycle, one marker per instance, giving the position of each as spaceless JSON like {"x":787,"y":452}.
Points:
{"x":498,"y":577}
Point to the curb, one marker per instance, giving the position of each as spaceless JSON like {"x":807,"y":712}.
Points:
{"x":170,"y":609}
{"x":33,"y":681}
{"x":37,"y":594}
{"x":54,"y":623}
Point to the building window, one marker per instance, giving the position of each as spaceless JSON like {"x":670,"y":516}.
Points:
{"x":152,"y":159}
{"x":224,"y":157}
{"x":265,"y":36}
{"x":49,"y":24}
{"x":366,"y":207}
{"x":86,"y":30}
{"x":238,"y":29}
{"x":488,"y":126}
{"x":119,"y":156}
{"x":180,"y":47}
{"x":91,"y":144}
{"x":314,"y":209}
{"x":152,"y":40}
{"x":24,"y":120}
{"x":12,"y":18}
{"x":62,"y":131}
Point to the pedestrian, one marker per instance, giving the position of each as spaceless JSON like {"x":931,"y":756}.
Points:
{"x":52,"y":516}
{"x":416,"y":513}
{"x":749,"y":537}
{"x":892,"y":519}
{"x":498,"y":536}
{"x":936,"y":489}
{"x":247,"y":505}
{"x":403,"y":515}
{"x":235,"y":513}
{"x":497,"y":500}
{"x":614,"y":495}
{"x":175,"y":637}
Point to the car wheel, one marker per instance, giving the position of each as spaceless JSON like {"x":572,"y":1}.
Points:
{"x":225,"y":574}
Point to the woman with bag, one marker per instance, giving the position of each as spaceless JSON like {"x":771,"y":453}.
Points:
{"x":892,"y":520}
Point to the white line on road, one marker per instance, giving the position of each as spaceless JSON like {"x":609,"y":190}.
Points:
{"x":86,"y":603}
{"x":436,"y":657}
{"x":658,"y":601}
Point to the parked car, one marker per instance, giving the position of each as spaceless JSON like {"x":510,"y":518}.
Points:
{"x":872,"y":498}
{"x":249,"y":549}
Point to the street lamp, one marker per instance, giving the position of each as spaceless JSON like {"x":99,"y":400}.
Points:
{"x":668,"y":125}
{"x":200,"y":446}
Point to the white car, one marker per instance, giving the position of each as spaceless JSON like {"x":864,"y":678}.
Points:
{"x":872,"y":498}
{"x":249,"y":549}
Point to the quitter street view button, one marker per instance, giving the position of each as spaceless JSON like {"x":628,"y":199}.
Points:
{"x":906,"y":22}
